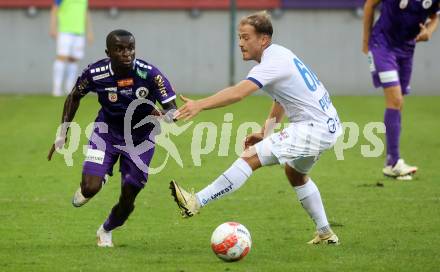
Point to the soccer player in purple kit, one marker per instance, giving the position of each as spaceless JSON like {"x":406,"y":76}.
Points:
{"x":390,"y":45}
{"x":118,"y":81}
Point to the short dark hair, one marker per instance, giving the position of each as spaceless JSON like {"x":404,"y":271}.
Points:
{"x":116,"y":33}
{"x":260,"y":21}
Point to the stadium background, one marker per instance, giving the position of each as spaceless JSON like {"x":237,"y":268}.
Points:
{"x":189,"y":40}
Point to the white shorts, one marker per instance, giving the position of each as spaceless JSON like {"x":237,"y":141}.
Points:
{"x":298,"y":145}
{"x":71,"y":45}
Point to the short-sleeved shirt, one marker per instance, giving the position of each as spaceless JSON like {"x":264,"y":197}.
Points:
{"x":116,"y":93}
{"x":291,"y":83}
{"x":399,"y":22}
{"x":72,"y":16}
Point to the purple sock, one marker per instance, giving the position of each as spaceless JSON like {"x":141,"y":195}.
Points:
{"x":118,"y":216}
{"x":112,"y":222}
{"x":392,"y":124}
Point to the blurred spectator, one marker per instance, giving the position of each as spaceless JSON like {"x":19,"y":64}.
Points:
{"x":69,"y":23}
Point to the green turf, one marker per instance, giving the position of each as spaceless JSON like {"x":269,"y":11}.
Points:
{"x":393,"y":227}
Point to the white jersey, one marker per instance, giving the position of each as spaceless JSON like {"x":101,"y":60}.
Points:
{"x":291,"y":83}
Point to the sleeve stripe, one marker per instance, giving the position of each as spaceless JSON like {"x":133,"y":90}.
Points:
{"x":168,"y":99}
{"x":255,"y":81}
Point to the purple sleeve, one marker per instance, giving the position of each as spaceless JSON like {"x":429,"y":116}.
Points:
{"x":57,"y":2}
{"x":84,"y":83}
{"x":161,"y":87}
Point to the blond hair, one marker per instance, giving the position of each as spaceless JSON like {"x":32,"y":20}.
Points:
{"x":261,"y":21}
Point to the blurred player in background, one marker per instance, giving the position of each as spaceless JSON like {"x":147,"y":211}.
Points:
{"x":118,"y":81}
{"x":296,"y":92}
{"x":69,"y":23}
{"x":390,"y":45}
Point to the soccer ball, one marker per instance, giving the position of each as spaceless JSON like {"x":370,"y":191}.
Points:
{"x":231,"y":241}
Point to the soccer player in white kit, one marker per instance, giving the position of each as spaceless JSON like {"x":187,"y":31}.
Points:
{"x":297,"y":92}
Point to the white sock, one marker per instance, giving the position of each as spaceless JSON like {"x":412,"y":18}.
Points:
{"x":228,"y":182}
{"x":58,"y":74}
{"x":310,"y":198}
{"x":71,"y":75}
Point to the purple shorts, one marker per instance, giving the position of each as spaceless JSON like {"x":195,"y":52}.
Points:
{"x":390,"y":66}
{"x":103,"y":153}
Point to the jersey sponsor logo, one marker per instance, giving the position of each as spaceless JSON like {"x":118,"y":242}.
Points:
{"x":160,"y":85}
{"x":388,"y":76}
{"x":98,"y":77}
{"x":403,"y":4}
{"x":126,"y":91}
{"x":427,"y":4}
{"x":141,"y":74}
{"x":111,"y":89}
{"x":127,"y":82}
{"x":141,"y":92}
{"x":95,"y":156}
{"x":325,"y":101}
{"x":82,"y":84}
{"x":112,"y":97}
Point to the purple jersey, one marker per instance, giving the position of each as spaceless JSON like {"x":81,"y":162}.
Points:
{"x":116,"y":93}
{"x":399,"y":21}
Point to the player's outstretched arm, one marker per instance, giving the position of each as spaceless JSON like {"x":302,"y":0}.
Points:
{"x":70,"y":107}
{"x":222,"y":98}
{"x":368,"y":22}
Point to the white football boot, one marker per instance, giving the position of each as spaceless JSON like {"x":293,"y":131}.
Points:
{"x":188,"y":203}
{"x":400,"y":170}
{"x":104,"y":238}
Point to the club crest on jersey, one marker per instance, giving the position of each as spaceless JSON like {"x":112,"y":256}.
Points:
{"x":427,"y":4}
{"x":112,"y":96}
{"x":141,"y":92}
{"x":125,"y":82}
{"x":403,"y":4}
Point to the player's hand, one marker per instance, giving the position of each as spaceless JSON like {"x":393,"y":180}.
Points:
{"x":252,"y":139}
{"x":365,"y":47}
{"x":90,"y":38}
{"x":424,"y":34}
{"x":190,"y":109}
{"x":53,"y":33}
{"x":59,"y":143}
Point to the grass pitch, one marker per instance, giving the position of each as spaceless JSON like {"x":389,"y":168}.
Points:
{"x":393,"y":227}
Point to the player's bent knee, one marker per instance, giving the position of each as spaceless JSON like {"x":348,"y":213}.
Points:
{"x":62,"y":58}
{"x":395,"y":103}
{"x":91,"y":185}
{"x":250,"y":157}
{"x":70,"y":59}
{"x":295,"y":178}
